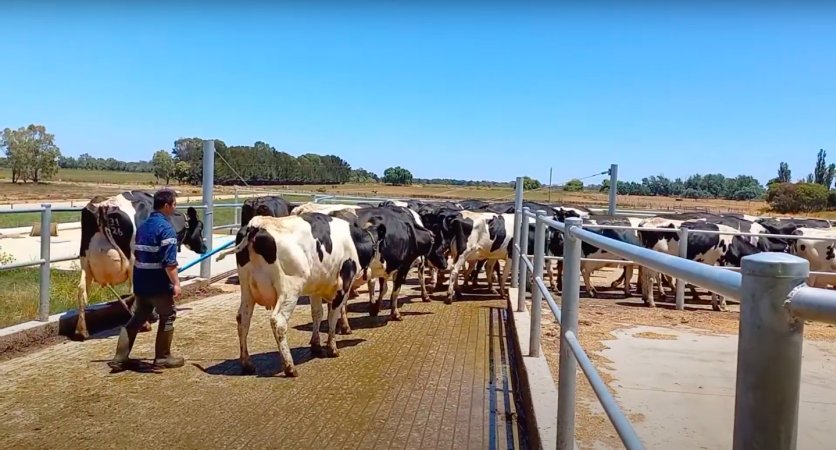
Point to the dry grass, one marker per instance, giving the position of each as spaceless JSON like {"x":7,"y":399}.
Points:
{"x":598,"y":319}
{"x":81,"y":185}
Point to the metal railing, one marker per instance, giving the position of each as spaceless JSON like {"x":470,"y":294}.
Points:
{"x":774,"y":298}
{"x":44,"y":261}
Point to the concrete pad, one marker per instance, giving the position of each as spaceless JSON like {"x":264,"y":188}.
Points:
{"x":684,"y":386}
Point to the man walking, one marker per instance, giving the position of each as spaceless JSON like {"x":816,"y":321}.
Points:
{"x":155,"y":283}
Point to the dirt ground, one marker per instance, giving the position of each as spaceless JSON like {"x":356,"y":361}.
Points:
{"x":600,"y":317}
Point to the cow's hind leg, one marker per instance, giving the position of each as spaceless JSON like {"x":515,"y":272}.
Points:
{"x":278,"y":322}
{"x":347,"y":273}
{"x":345,"y":327}
{"x":374,"y":307}
{"x":506,"y":269}
{"x":590,"y":289}
{"x":84,"y":283}
{"x":400,"y":277}
{"x":422,"y":279}
{"x":316,"y":318}
{"x":244,"y":317}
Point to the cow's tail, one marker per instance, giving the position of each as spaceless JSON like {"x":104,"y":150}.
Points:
{"x":101,"y":213}
{"x":241,"y":246}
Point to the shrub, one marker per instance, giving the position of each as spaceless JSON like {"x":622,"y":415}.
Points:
{"x":573,"y":185}
{"x":831,"y":200}
{"x":798,"y":197}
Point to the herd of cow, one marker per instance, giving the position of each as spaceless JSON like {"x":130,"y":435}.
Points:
{"x":324,"y":252}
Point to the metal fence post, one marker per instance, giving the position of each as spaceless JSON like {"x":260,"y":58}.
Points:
{"x":523,"y":275}
{"x":536,"y":295}
{"x":237,"y":210}
{"x":208,"y":200}
{"x":567,"y":372}
{"x":46,"y":238}
{"x":768,"y":353}
{"x":518,"y":200}
{"x":680,"y":283}
{"x":613,"y":189}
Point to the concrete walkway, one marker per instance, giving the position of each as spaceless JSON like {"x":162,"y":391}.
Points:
{"x":438,"y":379}
{"x":683,"y":384}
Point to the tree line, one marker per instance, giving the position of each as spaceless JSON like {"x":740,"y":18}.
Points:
{"x":32,"y":155}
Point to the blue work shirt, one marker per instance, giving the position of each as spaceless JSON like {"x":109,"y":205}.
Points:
{"x":156,"y":248}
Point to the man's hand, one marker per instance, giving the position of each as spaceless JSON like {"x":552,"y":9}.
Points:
{"x":175,"y":280}
{"x":177,"y":290}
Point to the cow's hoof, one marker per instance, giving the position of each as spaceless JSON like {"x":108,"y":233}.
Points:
{"x":145,"y":327}
{"x":290,"y":372}
{"x":395,"y":317}
{"x":448,"y":300}
{"x":593,"y":293}
{"x":344,"y":330}
{"x":78,"y":336}
{"x":332,"y":352}
{"x":374,"y":309}
{"x":247,"y":368}
{"x":426,"y":299}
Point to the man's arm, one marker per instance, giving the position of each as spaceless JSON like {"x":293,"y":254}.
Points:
{"x":168,"y":247}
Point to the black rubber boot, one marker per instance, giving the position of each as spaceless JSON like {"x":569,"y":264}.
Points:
{"x":123,"y":349}
{"x":162,"y":350}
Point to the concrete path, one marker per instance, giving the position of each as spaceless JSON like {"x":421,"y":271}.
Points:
{"x":683,"y":384}
{"x":438,"y":379}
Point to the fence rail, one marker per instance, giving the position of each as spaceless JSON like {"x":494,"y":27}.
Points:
{"x":774,"y":303}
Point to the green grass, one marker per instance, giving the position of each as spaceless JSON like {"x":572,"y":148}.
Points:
{"x":19,"y":296}
{"x":94,"y":176}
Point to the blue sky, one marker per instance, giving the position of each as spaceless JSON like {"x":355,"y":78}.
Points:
{"x":477,"y":90}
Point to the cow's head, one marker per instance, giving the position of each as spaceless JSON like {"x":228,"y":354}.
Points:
{"x":189,"y":231}
{"x":436,"y":256}
{"x":367,"y":240}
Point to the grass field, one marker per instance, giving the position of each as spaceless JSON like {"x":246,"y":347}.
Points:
{"x":19,"y":294}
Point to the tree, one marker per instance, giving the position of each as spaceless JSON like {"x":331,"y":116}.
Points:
{"x":820,"y":172}
{"x":397,"y":176}
{"x":784,"y":173}
{"x":573,"y":185}
{"x":798,"y":197}
{"x":181,"y":171}
{"x":31,"y":152}
{"x":530,"y":184}
{"x":363,"y":176}
{"x":164,"y":166}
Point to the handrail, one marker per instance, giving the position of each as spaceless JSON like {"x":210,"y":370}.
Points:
{"x":773,"y":299}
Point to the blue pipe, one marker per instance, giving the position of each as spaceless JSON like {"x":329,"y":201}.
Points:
{"x":204,"y":256}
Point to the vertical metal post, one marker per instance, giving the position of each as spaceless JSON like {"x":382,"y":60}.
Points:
{"x":613,"y":189}
{"x":567,"y":372}
{"x":208,"y":200}
{"x":536,"y":295}
{"x":768,"y":353}
{"x":46,"y":238}
{"x":522,"y":267}
{"x":515,"y":258}
{"x":680,"y":283}
{"x":237,"y":210}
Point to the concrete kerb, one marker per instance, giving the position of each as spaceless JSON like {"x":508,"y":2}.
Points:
{"x":539,"y":392}
{"x":100,"y":317}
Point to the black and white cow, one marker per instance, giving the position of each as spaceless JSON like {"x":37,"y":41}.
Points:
{"x":821,"y":253}
{"x":590,"y":251}
{"x":267,"y":205}
{"x":787,"y":226}
{"x":108,"y":233}
{"x":311,"y":254}
{"x":480,"y":236}
{"x":702,"y":247}
{"x":405,"y":242}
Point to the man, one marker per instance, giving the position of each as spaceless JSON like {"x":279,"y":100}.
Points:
{"x":156,"y":285}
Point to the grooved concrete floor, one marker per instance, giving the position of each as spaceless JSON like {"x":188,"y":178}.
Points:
{"x":439,"y":379}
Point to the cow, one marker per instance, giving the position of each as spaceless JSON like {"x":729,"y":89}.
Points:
{"x":819,"y":252}
{"x":405,"y":243}
{"x":334,"y":210}
{"x":280,"y":259}
{"x":590,"y":251}
{"x":268,"y":205}
{"x":108,"y":232}
{"x":702,"y":247}
{"x":480,"y":236}
{"x":786,"y":226}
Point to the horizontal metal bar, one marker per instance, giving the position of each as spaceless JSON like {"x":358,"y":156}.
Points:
{"x":811,"y":303}
{"x":714,"y":279}
{"x":63,"y":259}
{"x":21,"y":264}
{"x":538,"y":281}
{"x":622,"y":425}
